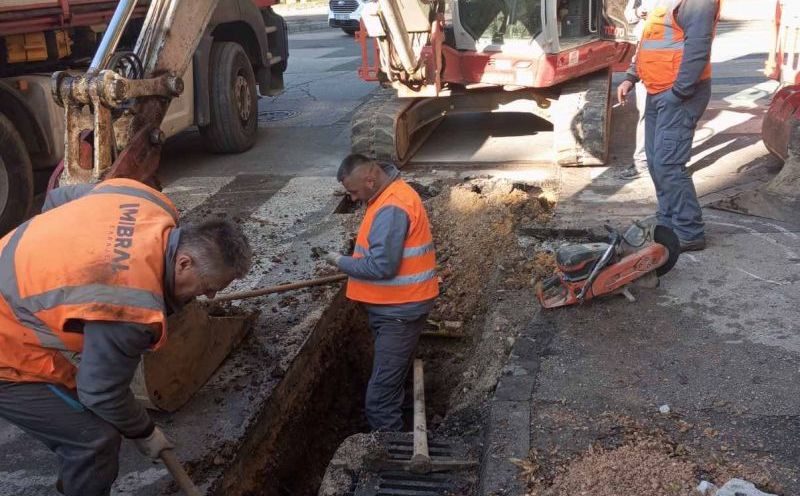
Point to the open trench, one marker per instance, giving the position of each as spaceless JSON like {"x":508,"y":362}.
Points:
{"x":319,"y":401}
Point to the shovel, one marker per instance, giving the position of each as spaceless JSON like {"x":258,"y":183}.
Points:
{"x":178,"y":473}
{"x":196,"y":346}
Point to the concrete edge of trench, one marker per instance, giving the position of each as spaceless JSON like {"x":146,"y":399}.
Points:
{"x":508,"y":427}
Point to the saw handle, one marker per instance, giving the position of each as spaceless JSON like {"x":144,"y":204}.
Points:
{"x":178,"y":473}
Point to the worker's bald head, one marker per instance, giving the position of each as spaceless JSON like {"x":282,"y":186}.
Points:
{"x":361,"y":176}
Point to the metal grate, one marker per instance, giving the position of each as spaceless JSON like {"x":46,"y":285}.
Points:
{"x":343,"y":6}
{"x":402,"y":483}
{"x":408,"y":484}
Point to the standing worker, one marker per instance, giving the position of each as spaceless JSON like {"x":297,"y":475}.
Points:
{"x":393,"y":273}
{"x":635,"y":13}
{"x":673,"y":61}
{"x":85,"y":289}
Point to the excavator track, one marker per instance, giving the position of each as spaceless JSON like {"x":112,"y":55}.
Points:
{"x":581,"y":120}
{"x":392,"y":129}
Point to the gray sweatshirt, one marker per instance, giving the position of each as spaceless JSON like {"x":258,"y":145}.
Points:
{"x":112,"y":350}
{"x":387,"y":237}
{"x":697,"y":18}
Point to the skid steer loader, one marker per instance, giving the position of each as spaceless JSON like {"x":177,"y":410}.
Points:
{"x":551,"y":58}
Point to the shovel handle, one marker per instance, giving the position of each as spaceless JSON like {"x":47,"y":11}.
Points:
{"x":178,"y":473}
{"x":279,"y":289}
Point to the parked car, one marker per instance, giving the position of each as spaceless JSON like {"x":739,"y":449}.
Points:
{"x":345,"y":14}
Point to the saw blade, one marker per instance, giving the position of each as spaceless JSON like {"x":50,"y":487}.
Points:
{"x":664,"y":236}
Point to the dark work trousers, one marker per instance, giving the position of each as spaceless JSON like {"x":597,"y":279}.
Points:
{"x":669,"y":129}
{"x":395,"y":344}
{"x":87,"y":446}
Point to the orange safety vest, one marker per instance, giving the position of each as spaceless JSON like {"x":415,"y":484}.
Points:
{"x":416,"y":279}
{"x":658,"y":59}
{"x":99,"y":257}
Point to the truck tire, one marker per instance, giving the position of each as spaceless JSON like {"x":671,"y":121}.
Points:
{"x":234,"y":100}
{"x":16,"y":177}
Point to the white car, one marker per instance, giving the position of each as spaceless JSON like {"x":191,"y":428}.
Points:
{"x":345,"y":14}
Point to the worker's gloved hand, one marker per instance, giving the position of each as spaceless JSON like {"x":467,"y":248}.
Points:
{"x":332,"y":258}
{"x":152,"y":445}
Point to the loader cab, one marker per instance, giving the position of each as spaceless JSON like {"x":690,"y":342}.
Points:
{"x":536,"y":27}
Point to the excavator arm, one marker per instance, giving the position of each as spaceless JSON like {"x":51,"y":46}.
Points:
{"x":121,"y":100}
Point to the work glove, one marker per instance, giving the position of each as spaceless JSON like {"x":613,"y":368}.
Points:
{"x":332,"y":258}
{"x":152,"y":445}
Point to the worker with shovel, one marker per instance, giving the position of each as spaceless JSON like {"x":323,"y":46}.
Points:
{"x":393,"y":273}
{"x":673,"y":61}
{"x":85,"y":289}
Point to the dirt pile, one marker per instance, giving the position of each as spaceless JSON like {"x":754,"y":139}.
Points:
{"x":658,"y":457}
{"x":486,"y":288}
{"x":642,"y":467}
{"x":473,"y":224}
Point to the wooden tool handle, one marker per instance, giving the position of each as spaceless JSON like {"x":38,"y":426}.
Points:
{"x":421,"y":459}
{"x":278,"y":289}
{"x":178,"y":473}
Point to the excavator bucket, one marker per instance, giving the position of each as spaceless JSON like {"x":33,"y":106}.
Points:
{"x":198,"y":342}
{"x":780,"y":198}
{"x":776,"y":200}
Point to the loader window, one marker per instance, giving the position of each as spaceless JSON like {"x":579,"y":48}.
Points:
{"x":501,"y":20}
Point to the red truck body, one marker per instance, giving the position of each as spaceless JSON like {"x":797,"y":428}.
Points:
{"x":18,"y":17}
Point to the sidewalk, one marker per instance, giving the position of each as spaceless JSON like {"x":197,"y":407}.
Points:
{"x":304,"y":17}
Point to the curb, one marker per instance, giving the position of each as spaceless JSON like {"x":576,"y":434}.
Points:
{"x":303,"y":27}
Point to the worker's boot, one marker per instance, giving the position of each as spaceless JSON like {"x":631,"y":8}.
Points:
{"x":698,"y":244}
{"x":633,"y":171}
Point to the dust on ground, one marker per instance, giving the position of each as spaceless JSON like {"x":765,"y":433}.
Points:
{"x":658,"y":457}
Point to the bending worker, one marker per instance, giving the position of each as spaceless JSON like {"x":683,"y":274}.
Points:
{"x":673,"y":62}
{"x":393,"y":273}
{"x":85,"y":289}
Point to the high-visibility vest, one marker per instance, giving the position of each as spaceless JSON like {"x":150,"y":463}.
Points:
{"x":97,"y":258}
{"x":658,"y":59}
{"x":416,"y":278}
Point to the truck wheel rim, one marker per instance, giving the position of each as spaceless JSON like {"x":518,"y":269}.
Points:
{"x":3,"y":186}
{"x":244,"y":99}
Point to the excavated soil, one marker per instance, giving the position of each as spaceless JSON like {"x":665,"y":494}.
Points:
{"x":486,"y":288}
{"x":634,"y":456}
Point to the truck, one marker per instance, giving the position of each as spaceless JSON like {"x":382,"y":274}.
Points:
{"x":550,"y":58}
{"x":240,"y":53}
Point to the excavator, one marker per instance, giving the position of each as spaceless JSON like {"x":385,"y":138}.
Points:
{"x":781,"y":125}
{"x":549,"y":58}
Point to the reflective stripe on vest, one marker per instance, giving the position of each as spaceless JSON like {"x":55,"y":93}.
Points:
{"x":660,"y":52}
{"x":99,"y":257}
{"x":416,"y":278}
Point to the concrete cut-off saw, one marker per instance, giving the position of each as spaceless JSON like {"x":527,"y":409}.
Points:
{"x":641,"y":255}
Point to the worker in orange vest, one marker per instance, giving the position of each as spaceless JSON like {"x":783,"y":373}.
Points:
{"x":673,"y":60}
{"x":393,"y":274}
{"x":85,"y":289}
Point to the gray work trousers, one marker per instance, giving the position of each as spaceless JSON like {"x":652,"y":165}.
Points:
{"x":87,"y":446}
{"x":395,"y":344}
{"x":669,"y":130}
